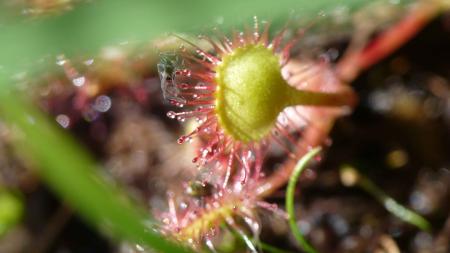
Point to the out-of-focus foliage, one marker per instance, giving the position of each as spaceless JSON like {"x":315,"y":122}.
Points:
{"x":11,"y":210}
{"x":91,"y":26}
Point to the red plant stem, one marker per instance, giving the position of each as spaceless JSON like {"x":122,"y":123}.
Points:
{"x":389,"y":41}
{"x":314,"y":136}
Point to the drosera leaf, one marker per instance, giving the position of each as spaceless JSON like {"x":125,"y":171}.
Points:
{"x":299,"y":168}
{"x":73,"y":175}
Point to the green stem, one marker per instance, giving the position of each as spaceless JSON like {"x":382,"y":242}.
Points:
{"x":353,"y":177}
{"x":301,"y":165}
{"x":302,"y":97}
{"x":393,"y":206}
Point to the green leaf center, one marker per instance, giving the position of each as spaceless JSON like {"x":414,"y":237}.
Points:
{"x":251,"y":92}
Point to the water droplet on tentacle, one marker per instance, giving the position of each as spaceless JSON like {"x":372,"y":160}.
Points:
{"x":171,"y":114}
{"x":183,"y":72}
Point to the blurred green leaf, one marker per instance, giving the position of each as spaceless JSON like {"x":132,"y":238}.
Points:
{"x":72,"y":173}
{"x":11,"y":210}
{"x":109,"y":22}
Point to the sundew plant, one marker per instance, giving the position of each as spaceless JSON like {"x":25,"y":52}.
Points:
{"x":233,"y":126}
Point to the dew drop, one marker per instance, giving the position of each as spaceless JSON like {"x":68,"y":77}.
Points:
{"x":176,"y":102}
{"x":139,"y":248}
{"x":241,"y":37}
{"x":183,"y":205}
{"x":79,"y":81}
{"x":183,"y":72}
{"x":210,"y":245}
{"x":283,"y":119}
{"x":200,"y":120}
{"x":102,"y":103}
{"x":181,"y":140}
{"x":63,"y":120}
{"x":60,"y":60}
{"x":253,"y":224}
{"x":184,"y":86}
{"x":171,"y":114}
{"x":88,"y":62}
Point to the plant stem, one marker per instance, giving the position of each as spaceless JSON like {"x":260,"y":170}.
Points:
{"x":301,"y":165}
{"x":393,"y":206}
{"x":389,"y":203}
{"x":312,"y":98}
{"x":313,"y":136}
{"x":387,"y":42}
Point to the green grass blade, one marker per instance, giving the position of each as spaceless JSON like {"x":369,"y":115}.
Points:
{"x":393,"y":206}
{"x":350,"y":176}
{"x":65,"y":167}
{"x":301,"y":165}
